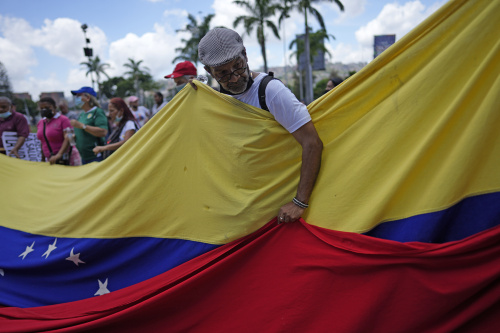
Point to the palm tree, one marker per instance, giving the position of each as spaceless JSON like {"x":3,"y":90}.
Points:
{"x":260,"y":12}
{"x":316,"y":44}
{"x":135,"y":72}
{"x":94,"y":66}
{"x":305,"y":7}
{"x":190,"y":49}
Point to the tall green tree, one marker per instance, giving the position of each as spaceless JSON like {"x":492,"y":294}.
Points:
{"x":306,"y":7}
{"x":5,"y":87}
{"x":197,"y":31}
{"x":316,"y":44}
{"x":261,"y":12}
{"x":96,"y":67}
{"x":135,"y":72}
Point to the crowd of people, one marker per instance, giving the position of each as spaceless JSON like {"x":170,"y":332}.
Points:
{"x":72,"y":138}
{"x":92,"y":135}
{"x":78,"y":138}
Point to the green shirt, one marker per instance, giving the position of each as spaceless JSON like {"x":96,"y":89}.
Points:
{"x":85,"y":141}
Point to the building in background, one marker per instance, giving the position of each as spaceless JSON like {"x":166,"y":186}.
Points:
{"x":58,"y":96}
{"x":381,"y":43}
{"x":23,"y":95}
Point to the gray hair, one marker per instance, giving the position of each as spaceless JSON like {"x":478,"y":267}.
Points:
{"x":5,"y":99}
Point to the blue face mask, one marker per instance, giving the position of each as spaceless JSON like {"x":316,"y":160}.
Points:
{"x":118,"y":119}
{"x":5,"y":114}
{"x":179,"y":88}
{"x":78,"y":101}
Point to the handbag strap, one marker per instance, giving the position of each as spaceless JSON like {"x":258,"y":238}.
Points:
{"x":47,"y":141}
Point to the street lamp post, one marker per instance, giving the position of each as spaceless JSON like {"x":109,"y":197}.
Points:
{"x":88,"y":51}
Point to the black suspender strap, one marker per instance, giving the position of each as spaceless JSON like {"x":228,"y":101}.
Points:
{"x":47,"y":141}
{"x":262,"y":90}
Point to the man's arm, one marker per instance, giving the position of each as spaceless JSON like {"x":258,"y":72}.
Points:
{"x":312,"y":148}
{"x":19,"y":144}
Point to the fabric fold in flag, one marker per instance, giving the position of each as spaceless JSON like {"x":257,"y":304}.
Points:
{"x":299,"y":278}
{"x":411,"y":154}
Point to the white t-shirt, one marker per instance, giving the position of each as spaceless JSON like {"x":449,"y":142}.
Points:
{"x":141,"y":115}
{"x":281,"y":102}
{"x":155,"y":108}
{"x":129,"y":125}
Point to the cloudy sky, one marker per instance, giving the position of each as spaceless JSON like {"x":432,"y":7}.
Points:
{"x":41,"y":42}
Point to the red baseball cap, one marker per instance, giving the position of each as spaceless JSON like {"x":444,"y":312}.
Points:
{"x":182,"y":68}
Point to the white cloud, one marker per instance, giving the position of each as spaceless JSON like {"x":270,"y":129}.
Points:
{"x":17,"y":59}
{"x":36,"y":85}
{"x":352,"y":8}
{"x":393,"y":19}
{"x":348,"y":53}
{"x":62,"y":38}
{"x":156,"y":49}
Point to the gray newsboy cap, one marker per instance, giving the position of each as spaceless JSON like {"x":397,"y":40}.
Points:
{"x":219,"y":46}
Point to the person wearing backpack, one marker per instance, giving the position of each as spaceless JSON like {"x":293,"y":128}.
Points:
{"x":92,"y":124}
{"x":123,"y":124}
{"x":222,"y":52}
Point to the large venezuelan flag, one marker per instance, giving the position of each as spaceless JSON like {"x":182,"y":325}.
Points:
{"x":175,"y":223}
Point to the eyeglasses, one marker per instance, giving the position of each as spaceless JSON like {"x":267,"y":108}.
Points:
{"x":237,"y":72}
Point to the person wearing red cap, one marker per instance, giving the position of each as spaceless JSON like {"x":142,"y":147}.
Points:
{"x":183,"y":72}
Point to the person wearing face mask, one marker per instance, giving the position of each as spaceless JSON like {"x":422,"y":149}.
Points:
{"x":140,"y":112}
{"x":123,"y":125}
{"x":222,"y":52}
{"x":92,"y":124}
{"x":12,"y":121}
{"x":183,"y":72}
{"x":50,"y":132}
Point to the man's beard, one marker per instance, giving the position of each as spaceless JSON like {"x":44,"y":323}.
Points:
{"x":239,"y":86}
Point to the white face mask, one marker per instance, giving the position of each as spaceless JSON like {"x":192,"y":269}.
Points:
{"x":6,"y":114}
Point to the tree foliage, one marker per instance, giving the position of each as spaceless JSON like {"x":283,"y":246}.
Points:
{"x":137,"y":74}
{"x":306,"y":7}
{"x":261,"y":12}
{"x":190,"y":50}
{"x":96,"y":67}
{"x":5,"y":87}
{"x":124,"y":87}
{"x":316,"y":44}
{"x":320,"y":87}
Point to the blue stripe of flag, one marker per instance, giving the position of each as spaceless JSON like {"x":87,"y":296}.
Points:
{"x":44,"y":276}
{"x":466,"y":218}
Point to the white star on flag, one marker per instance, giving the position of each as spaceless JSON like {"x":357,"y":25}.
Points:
{"x":103,"y":288}
{"x":75,"y":258}
{"x":51,"y":248}
{"x":2,"y":273}
{"x":28,"y":250}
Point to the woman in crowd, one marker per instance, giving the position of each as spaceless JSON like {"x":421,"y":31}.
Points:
{"x":332,"y":83}
{"x":12,"y":121}
{"x":123,"y":125}
{"x":91,"y":126}
{"x":159,"y":103}
{"x":55,"y":145}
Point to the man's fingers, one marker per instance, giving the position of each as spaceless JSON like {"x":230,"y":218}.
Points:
{"x":193,"y":84}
